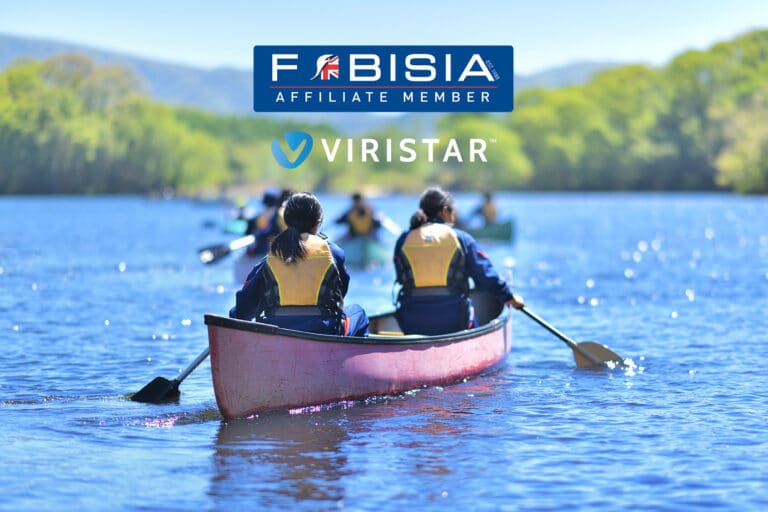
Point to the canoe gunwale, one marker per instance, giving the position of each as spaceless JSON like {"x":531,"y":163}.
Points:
{"x":246,"y":325}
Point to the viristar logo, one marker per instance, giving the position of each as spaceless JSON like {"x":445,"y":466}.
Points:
{"x":364,"y":150}
{"x":294,"y":141}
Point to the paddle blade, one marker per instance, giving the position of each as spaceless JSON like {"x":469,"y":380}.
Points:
{"x":597,"y":351}
{"x":213,"y":253}
{"x":159,"y":391}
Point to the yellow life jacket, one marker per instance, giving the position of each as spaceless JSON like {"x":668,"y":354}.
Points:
{"x":361,"y":224}
{"x":489,"y":212}
{"x":309,"y":281}
{"x":432,"y":257}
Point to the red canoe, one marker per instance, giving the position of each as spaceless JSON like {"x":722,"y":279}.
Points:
{"x":258,"y":367}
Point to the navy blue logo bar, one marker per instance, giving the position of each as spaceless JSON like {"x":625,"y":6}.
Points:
{"x":383,"y":78}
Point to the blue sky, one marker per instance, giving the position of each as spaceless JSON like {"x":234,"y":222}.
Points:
{"x":544,"y":33}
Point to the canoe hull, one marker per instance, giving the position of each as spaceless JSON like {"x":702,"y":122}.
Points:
{"x":258,"y":367}
{"x":498,"y":231}
{"x":365,"y":251}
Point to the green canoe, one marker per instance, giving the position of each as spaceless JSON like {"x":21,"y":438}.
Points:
{"x":497,"y":231}
{"x":363,"y":251}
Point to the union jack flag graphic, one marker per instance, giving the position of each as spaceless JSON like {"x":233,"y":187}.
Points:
{"x":327,"y":67}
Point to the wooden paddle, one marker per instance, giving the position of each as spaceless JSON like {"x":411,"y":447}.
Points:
{"x":587,"y":354}
{"x":162,"y":390}
{"x":214,"y":253}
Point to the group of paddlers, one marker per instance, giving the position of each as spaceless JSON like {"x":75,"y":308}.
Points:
{"x":302,"y":280}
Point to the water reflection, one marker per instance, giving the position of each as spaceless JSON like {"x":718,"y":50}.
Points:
{"x":320,"y":459}
{"x":280,"y":460}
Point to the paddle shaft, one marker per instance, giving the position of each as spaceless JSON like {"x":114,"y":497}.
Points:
{"x":239,"y":243}
{"x":390,"y":225}
{"x":189,"y":369}
{"x":214,"y":253}
{"x":562,"y":336}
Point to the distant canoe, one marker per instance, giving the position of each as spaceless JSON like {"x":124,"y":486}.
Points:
{"x":236,"y":226}
{"x":258,"y":367}
{"x":498,"y":231}
{"x":364,"y":251}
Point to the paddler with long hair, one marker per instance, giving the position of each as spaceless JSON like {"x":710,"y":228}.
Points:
{"x":302,"y":281}
{"x":433,"y":263}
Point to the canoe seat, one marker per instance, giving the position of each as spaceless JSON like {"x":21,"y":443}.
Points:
{"x":390,"y":333}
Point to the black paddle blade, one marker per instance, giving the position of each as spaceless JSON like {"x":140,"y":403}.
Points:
{"x":213,"y":253}
{"x":159,"y":391}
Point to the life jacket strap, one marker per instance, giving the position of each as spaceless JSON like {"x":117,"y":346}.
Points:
{"x":296,"y":311}
{"x":423,"y":291}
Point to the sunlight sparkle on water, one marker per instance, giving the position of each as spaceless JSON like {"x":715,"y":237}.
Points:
{"x":161,"y":422}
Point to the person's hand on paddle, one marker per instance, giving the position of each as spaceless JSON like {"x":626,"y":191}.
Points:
{"x":516,"y":302}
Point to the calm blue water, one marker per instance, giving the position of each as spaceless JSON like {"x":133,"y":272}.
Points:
{"x":99,"y":296}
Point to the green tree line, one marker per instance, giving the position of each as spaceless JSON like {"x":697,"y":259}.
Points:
{"x":698,"y":123}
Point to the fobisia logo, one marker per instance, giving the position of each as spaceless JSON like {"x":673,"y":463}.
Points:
{"x":327,"y":67}
{"x":294,"y":141}
{"x":383,"y":79}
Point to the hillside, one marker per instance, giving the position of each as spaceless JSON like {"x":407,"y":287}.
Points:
{"x":228,"y":90}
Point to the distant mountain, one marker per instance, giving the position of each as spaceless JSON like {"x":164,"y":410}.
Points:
{"x":229,"y":90}
{"x":575,"y":73}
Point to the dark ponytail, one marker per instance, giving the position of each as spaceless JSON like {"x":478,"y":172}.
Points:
{"x":418,"y":218}
{"x":302,"y":213}
{"x":431,"y":202}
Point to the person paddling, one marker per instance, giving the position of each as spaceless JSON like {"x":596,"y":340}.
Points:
{"x":302,"y":281}
{"x":360,"y":218}
{"x":487,"y":209}
{"x":433,"y":263}
{"x":270,"y":223}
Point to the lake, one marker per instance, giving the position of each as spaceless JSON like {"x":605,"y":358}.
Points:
{"x":100,"y":295}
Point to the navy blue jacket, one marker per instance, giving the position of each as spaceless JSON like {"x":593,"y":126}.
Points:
{"x":441,"y":314}
{"x":248,"y":301}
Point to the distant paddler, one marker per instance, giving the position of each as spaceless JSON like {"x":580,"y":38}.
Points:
{"x":360,"y":219}
{"x":269,"y":223}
